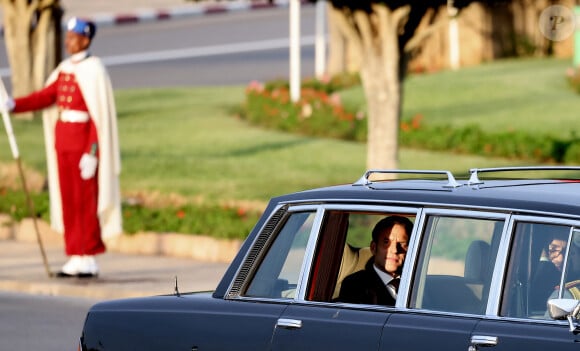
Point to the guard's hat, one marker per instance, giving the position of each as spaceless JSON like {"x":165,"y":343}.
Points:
{"x":82,"y":27}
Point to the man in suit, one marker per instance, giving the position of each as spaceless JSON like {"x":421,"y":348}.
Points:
{"x":378,"y":283}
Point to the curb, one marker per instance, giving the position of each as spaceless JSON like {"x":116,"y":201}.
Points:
{"x":148,"y":15}
{"x":197,"y":247}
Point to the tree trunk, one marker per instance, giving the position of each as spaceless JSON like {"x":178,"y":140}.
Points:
{"x":43,"y":45}
{"x":336,"y":44}
{"x":382,"y":84}
{"x":383,"y":106}
{"x":376,"y":36}
{"x":17,"y":19}
{"x":32,"y":33}
{"x":344,"y":55}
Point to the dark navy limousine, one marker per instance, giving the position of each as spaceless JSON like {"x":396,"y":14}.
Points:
{"x":492,"y":261}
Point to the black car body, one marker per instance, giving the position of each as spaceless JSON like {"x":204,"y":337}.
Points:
{"x":469,"y":280}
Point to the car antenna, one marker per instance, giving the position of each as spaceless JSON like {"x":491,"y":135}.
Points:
{"x":176,"y":289}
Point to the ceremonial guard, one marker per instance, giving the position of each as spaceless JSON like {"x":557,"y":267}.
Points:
{"x":83,"y":161}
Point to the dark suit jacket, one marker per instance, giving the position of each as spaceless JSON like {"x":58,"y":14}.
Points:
{"x":365,"y":287}
{"x":544,"y":281}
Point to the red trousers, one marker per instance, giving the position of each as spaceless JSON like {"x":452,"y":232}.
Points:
{"x":82,"y":231}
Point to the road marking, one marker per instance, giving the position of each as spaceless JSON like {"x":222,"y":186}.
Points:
{"x":214,"y":50}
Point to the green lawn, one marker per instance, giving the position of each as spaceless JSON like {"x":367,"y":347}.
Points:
{"x":525,"y":94}
{"x":529,"y":95}
{"x":186,"y":141}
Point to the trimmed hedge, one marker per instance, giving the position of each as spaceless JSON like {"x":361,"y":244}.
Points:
{"x":230,"y":222}
{"x":472,"y":139}
{"x":320,"y":113}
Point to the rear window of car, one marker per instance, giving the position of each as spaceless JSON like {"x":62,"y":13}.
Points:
{"x":544,"y":263}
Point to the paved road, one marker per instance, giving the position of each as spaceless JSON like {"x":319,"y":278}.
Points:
{"x":47,"y":323}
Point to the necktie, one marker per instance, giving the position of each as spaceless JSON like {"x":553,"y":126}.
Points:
{"x":393,"y":287}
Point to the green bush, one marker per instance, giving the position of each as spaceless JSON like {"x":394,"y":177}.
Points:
{"x":328,"y":85}
{"x":213,"y":220}
{"x":317,"y":113}
{"x":15,"y":204}
{"x":572,"y":154}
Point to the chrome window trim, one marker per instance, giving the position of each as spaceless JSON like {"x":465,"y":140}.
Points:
{"x":563,"y":323}
{"x":442,"y":206}
{"x":405,"y":288}
{"x":393,"y":309}
{"x":547,"y":220}
{"x":233,"y":285}
{"x":355,"y":206}
{"x":409,"y":270}
{"x":309,"y":254}
{"x":404,"y":294}
{"x":475,"y":214}
{"x":500,"y":269}
{"x":313,"y":241}
{"x":244,"y":262}
{"x":306,"y":268}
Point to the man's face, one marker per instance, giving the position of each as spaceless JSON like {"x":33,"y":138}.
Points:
{"x":75,"y":42}
{"x":390,"y":249}
{"x":556,"y":251}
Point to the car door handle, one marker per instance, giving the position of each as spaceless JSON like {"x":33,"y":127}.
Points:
{"x":482,"y":341}
{"x":289,"y":323}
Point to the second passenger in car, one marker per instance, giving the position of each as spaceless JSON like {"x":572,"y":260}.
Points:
{"x":549,"y":270}
{"x":572,"y":276}
{"x":378,"y":283}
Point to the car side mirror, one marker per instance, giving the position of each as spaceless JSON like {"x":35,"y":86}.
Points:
{"x":560,"y":309}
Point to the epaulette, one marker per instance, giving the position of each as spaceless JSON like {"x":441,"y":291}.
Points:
{"x":572,"y":284}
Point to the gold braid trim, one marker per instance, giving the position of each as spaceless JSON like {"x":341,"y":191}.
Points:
{"x":574,"y":288}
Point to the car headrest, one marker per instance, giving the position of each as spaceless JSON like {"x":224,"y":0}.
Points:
{"x":477,"y":262}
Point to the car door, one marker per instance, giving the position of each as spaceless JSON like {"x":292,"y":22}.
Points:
{"x":267,"y":280}
{"x":311,"y":327}
{"x":448,"y":292}
{"x":316,"y":321}
{"x":518,"y":321}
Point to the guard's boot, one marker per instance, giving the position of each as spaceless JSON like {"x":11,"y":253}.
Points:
{"x":88,"y":267}
{"x":70,"y":268}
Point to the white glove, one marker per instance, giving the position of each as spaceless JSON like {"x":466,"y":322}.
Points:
{"x":88,"y":166}
{"x":9,"y":104}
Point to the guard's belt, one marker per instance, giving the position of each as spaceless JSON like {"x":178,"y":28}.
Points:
{"x":74,"y":116}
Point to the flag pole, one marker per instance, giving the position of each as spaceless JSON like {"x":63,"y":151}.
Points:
{"x":16,"y":156}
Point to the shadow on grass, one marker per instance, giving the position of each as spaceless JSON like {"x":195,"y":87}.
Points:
{"x":265,"y":147}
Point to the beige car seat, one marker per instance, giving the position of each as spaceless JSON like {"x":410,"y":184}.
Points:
{"x":353,"y":260}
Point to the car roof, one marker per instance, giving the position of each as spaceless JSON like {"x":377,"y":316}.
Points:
{"x":538,"y":195}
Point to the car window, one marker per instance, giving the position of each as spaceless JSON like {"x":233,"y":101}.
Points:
{"x":455,"y":264}
{"x":542,"y":265}
{"x":343,"y":249}
{"x":279,"y":271}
